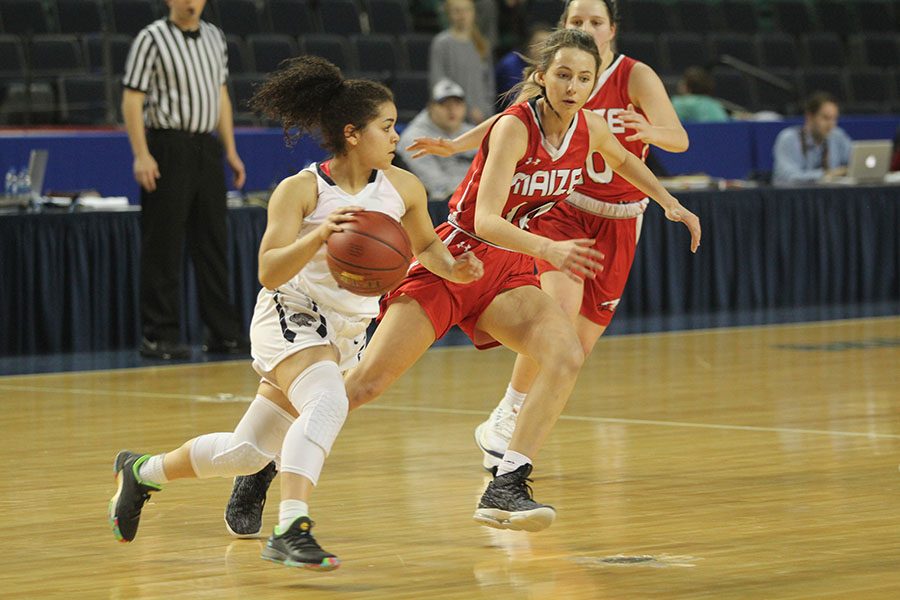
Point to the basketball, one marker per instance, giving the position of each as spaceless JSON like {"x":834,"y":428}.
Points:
{"x":371,"y":255}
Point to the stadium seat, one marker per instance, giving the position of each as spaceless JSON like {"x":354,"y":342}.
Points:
{"x":776,"y":49}
{"x":292,"y":17}
{"x":12,"y":57}
{"x":21,"y":17}
{"x":641,"y":47}
{"x":83,"y":100}
{"x":826,"y":79}
{"x":875,"y":49}
{"x":699,"y":16}
{"x":244,"y":86}
{"x":683,"y":50}
{"x":741,"y":16}
{"x":836,"y":16}
{"x":411,"y":94}
{"x":866,"y":91}
{"x":340,"y":17}
{"x":238,"y":17}
{"x":793,"y":17}
{"x":269,"y":49}
{"x":389,"y":16}
{"x":416,"y":47}
{"x":545,"y":11}
{"x":823,"y":49}
{"x":56,"y":55}
{"x":80,"y":16}
{"x":119,"y":45}
{"x":875,"y":16}
{"x":238,"y":59}
{"x":130,"y":16}
{"x":648,"y":16}
{"x":375,"y":53}
{"x":331,"y":47}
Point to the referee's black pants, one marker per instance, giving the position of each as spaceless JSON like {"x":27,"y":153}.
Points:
{"x":187,"y":205}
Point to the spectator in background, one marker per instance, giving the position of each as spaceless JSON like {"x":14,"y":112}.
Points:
{"x":461,"y":54}
{"x":442,"y":118}
{"x":694,"y":101}
{"x":509,"y":68}
{"x":174,"y":99}
{"x":816,"y":151}
{"x":895,"y":156}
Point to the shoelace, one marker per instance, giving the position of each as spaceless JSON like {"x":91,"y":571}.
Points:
{"x":505,"y":422}
{"x":298,"y":540}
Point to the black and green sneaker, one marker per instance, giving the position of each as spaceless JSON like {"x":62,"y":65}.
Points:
{"x":244,"y":512}
{"x":508,"y":503}
{"x":125,"y":507}
{"x":296,"y":547}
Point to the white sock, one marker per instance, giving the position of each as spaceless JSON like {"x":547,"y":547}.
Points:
{"x":289,"y":511}
{"x":152,"y":470}
{"x":513,"y":398}
{"x":512,"y":460}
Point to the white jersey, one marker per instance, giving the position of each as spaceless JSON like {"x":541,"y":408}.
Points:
{"x":314,"y":280}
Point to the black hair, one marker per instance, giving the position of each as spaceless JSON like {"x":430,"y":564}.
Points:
{"x":815,"y":101}
{"x":310,"y":95}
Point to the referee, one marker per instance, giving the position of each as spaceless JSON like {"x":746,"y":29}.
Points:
{"x":174,"y":98}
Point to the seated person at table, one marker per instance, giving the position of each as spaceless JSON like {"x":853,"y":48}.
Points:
{"x":817,"y":151}
{"x":694,"y":102}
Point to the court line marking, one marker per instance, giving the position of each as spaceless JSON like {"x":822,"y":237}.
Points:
{"x":468,"y":347}
{"x":228,"y":398}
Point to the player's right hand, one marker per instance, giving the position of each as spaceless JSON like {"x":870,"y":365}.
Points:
{"x":467,"y":268}
{"x":576,"y":258}
{"x":146,"y":171}
{"x":333,"y":223}
{"x":425,"y":146}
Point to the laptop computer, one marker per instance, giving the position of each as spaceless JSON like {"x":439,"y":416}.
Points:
{"x":37,"y":169}
{"x":869,"y":162}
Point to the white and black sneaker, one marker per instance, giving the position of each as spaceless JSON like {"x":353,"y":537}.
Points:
{"x":508,"y":503}
{"x":493,"y":435}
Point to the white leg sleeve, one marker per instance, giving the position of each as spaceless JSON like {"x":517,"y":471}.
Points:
{"x":319,"y":396}
{"x":255,"y":441}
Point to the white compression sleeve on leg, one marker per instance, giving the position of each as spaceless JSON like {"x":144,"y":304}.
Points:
{"x":255,"y":441}
{"x":319,"y":396}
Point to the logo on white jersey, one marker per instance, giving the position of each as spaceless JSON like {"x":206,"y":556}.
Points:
{"x":558,"y":182}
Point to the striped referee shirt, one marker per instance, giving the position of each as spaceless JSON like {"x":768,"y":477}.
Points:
{"x":182,"y":75}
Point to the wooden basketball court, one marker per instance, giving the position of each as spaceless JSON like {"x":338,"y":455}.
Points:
{"x":734,"y":463}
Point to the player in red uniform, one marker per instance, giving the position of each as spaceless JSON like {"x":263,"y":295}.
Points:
{"x":533,"y":156}
{"x":605,"y":207}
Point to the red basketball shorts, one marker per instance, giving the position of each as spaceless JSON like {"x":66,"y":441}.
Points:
{"x":615,"y":238}
{"x":447,"y":303}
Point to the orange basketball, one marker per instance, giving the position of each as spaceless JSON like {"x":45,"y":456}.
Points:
{"x":371,"y":255}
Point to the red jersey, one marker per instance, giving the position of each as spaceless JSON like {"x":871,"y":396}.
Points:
{"x":544,"y":176}
{"x":609,"y":99}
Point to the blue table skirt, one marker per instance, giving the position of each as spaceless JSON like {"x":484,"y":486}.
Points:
{"x":69,"y":282}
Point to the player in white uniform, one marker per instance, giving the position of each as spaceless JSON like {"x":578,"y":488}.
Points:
{"x":305,"y":331}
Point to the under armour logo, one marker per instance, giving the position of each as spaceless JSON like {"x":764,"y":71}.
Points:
{"x":533,"y":161}
{"x":464,"y":246}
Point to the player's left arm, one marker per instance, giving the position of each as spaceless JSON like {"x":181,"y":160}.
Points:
{"x":661,"y":127}
{"x":426,"y":245}
{"x":636,"y":172}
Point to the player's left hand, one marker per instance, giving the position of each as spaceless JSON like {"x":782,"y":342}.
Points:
{"x":467,"y":268}
{"x":680,"y":214}
{"x":632,"y":119}
{"x":237,"y":168}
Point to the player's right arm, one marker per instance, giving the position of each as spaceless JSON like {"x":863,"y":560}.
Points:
{"x":281,"y":253}
{"x":508,"y":143}
{"x":470,"y":140}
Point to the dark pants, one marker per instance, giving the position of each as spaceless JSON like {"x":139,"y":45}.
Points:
{"x":189,"y":203}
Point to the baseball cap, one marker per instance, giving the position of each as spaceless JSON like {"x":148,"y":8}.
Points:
{"x":445,"y":88}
